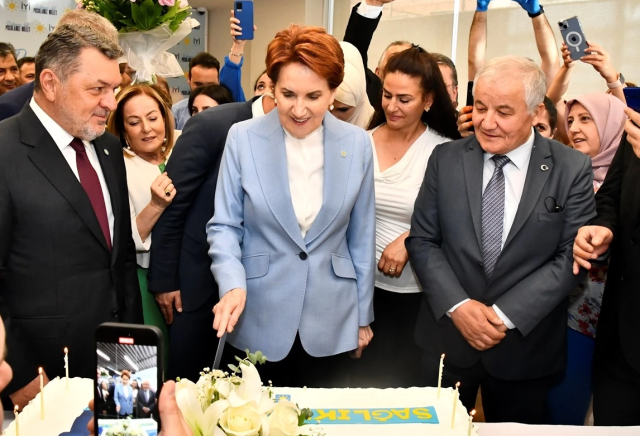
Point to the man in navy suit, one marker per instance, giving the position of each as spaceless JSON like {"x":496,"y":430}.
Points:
{"x":65,"y":230}
{"x":179,"y":272}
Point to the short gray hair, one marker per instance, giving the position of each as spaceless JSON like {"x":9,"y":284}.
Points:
{"x":534,"y":82}
{"x":62,"y":48}
{"x":83,"y":17}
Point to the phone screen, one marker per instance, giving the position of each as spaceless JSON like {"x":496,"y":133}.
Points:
{"x":127,"y":382}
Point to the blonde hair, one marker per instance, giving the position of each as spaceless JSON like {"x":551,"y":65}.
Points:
{"x":115,"y":123}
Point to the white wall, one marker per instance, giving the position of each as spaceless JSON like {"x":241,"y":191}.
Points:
{"x":615,"y":24}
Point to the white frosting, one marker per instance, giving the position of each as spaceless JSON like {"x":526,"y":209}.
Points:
{"x":385,"y":399}
{"x":61,"y":407}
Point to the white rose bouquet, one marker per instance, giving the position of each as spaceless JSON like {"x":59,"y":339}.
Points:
{"x":227,"y":404}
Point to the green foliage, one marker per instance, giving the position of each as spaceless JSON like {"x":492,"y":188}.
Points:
{"x":138,"y":15}
{"x":305,"y":415}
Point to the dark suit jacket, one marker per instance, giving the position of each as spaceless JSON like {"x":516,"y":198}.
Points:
{"x":533,"y":276}
{"x":359,"y":32}
{"x":61,"y":280}
{"x":12,"y":102}
{"x":179,"y":253}
{"x":618,"y":206}
{"x":142,"y":403}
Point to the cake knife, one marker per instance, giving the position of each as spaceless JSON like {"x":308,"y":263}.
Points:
{"x":218,"y":358}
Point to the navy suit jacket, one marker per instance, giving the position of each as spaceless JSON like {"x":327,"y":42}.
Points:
{"x":12,"y":102}
{"x":179,"y":259}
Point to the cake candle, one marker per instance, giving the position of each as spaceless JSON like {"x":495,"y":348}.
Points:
{"x":440,"y":374}
{"x":15,"y":412}
{"x":456,"y":394}
{"x":66,"y":364}
{"x":41,"y":393}
{"x":473,"y":412}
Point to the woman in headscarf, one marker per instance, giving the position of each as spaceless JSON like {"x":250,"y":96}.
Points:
{"x":351,"y":103}
{"x":595,"y":124}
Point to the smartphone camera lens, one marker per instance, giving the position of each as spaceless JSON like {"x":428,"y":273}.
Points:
{"x":238,"y":5}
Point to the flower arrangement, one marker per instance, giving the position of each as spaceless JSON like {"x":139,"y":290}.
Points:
{"x":148,"y":28}
{"x":125,"y":427}
{"x":227,"y":404}
{"x":137,"y":15}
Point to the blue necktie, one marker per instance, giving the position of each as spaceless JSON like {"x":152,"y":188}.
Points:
{"x":493,"y":216}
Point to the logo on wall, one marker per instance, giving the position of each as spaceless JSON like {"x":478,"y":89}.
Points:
{"x":40,"y":28}
{"x":12,"y":27}
{"x":196,"y":41}
{"x":45,"y":10}
{"x":12,"y":6}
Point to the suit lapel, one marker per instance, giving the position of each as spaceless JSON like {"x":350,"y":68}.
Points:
{"x":338,"y":155}
{"x":533,"y":185}
{"x":473,"y":164}
{"x":46,"y":156}
{"x":106,"y":163}
{"x":270,"y":160}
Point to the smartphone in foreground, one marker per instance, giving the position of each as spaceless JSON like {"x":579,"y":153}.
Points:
{"x":632,"y":95}
{"x":573,"y":36}
{"x":243,"y":11}
{"x":129,"y":376}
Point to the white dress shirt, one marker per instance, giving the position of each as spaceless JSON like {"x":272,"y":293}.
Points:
{"x":256,"y":108}
{"x":63,"y":141}
{"x":305,"y":167}
{"x":515,"y":175}
{"x":369,"y":11}
{"x":396,"y":191}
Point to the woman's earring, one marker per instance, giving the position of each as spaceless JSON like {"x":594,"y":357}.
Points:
{"x":275,"y":100}
{"x":163,"y":149}
{"x":128,"y":146}
{"x":428,"y":109}
{"x":164,"y":141}
{"x":331,"y":107}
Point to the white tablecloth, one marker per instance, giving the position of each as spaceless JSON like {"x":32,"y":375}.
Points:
{"x":510,"y":429}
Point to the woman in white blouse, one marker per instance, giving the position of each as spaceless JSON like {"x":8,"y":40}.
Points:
{"x":417,"y":114}
{"x":144,"y":124}
{"x":293,"y":235}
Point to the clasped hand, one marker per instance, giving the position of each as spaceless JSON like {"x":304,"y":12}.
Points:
{"x":479,"y":324}
{"x":590,"y":243}
{"x":394,"y":257}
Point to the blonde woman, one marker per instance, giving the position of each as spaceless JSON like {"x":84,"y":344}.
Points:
{"x":144,"y":124}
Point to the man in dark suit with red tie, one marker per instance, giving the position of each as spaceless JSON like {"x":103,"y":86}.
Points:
{"x":65,"y":230}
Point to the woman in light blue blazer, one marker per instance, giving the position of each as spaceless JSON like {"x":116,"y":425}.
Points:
{"x":293,"y":235}
{"x":123,"y":395}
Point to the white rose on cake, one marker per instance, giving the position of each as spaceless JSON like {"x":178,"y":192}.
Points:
{"x":283,"y":421}
{"x":242,"y":421}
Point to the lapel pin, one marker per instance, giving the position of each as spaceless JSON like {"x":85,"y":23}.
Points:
{"x":544,"y":168}
{"x":106,"y":152}
{"x":343,"y":153}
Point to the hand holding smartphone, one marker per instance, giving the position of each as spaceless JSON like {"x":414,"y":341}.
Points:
{"x":243,"y":11}
{"x":573,"y":36}
{"x":129,"y":370}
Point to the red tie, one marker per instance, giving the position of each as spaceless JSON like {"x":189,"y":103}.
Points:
{"x":91,"y":184}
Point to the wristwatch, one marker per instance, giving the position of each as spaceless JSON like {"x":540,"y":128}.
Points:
{"x":618,"y":83}
{"x":537,"y":14}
